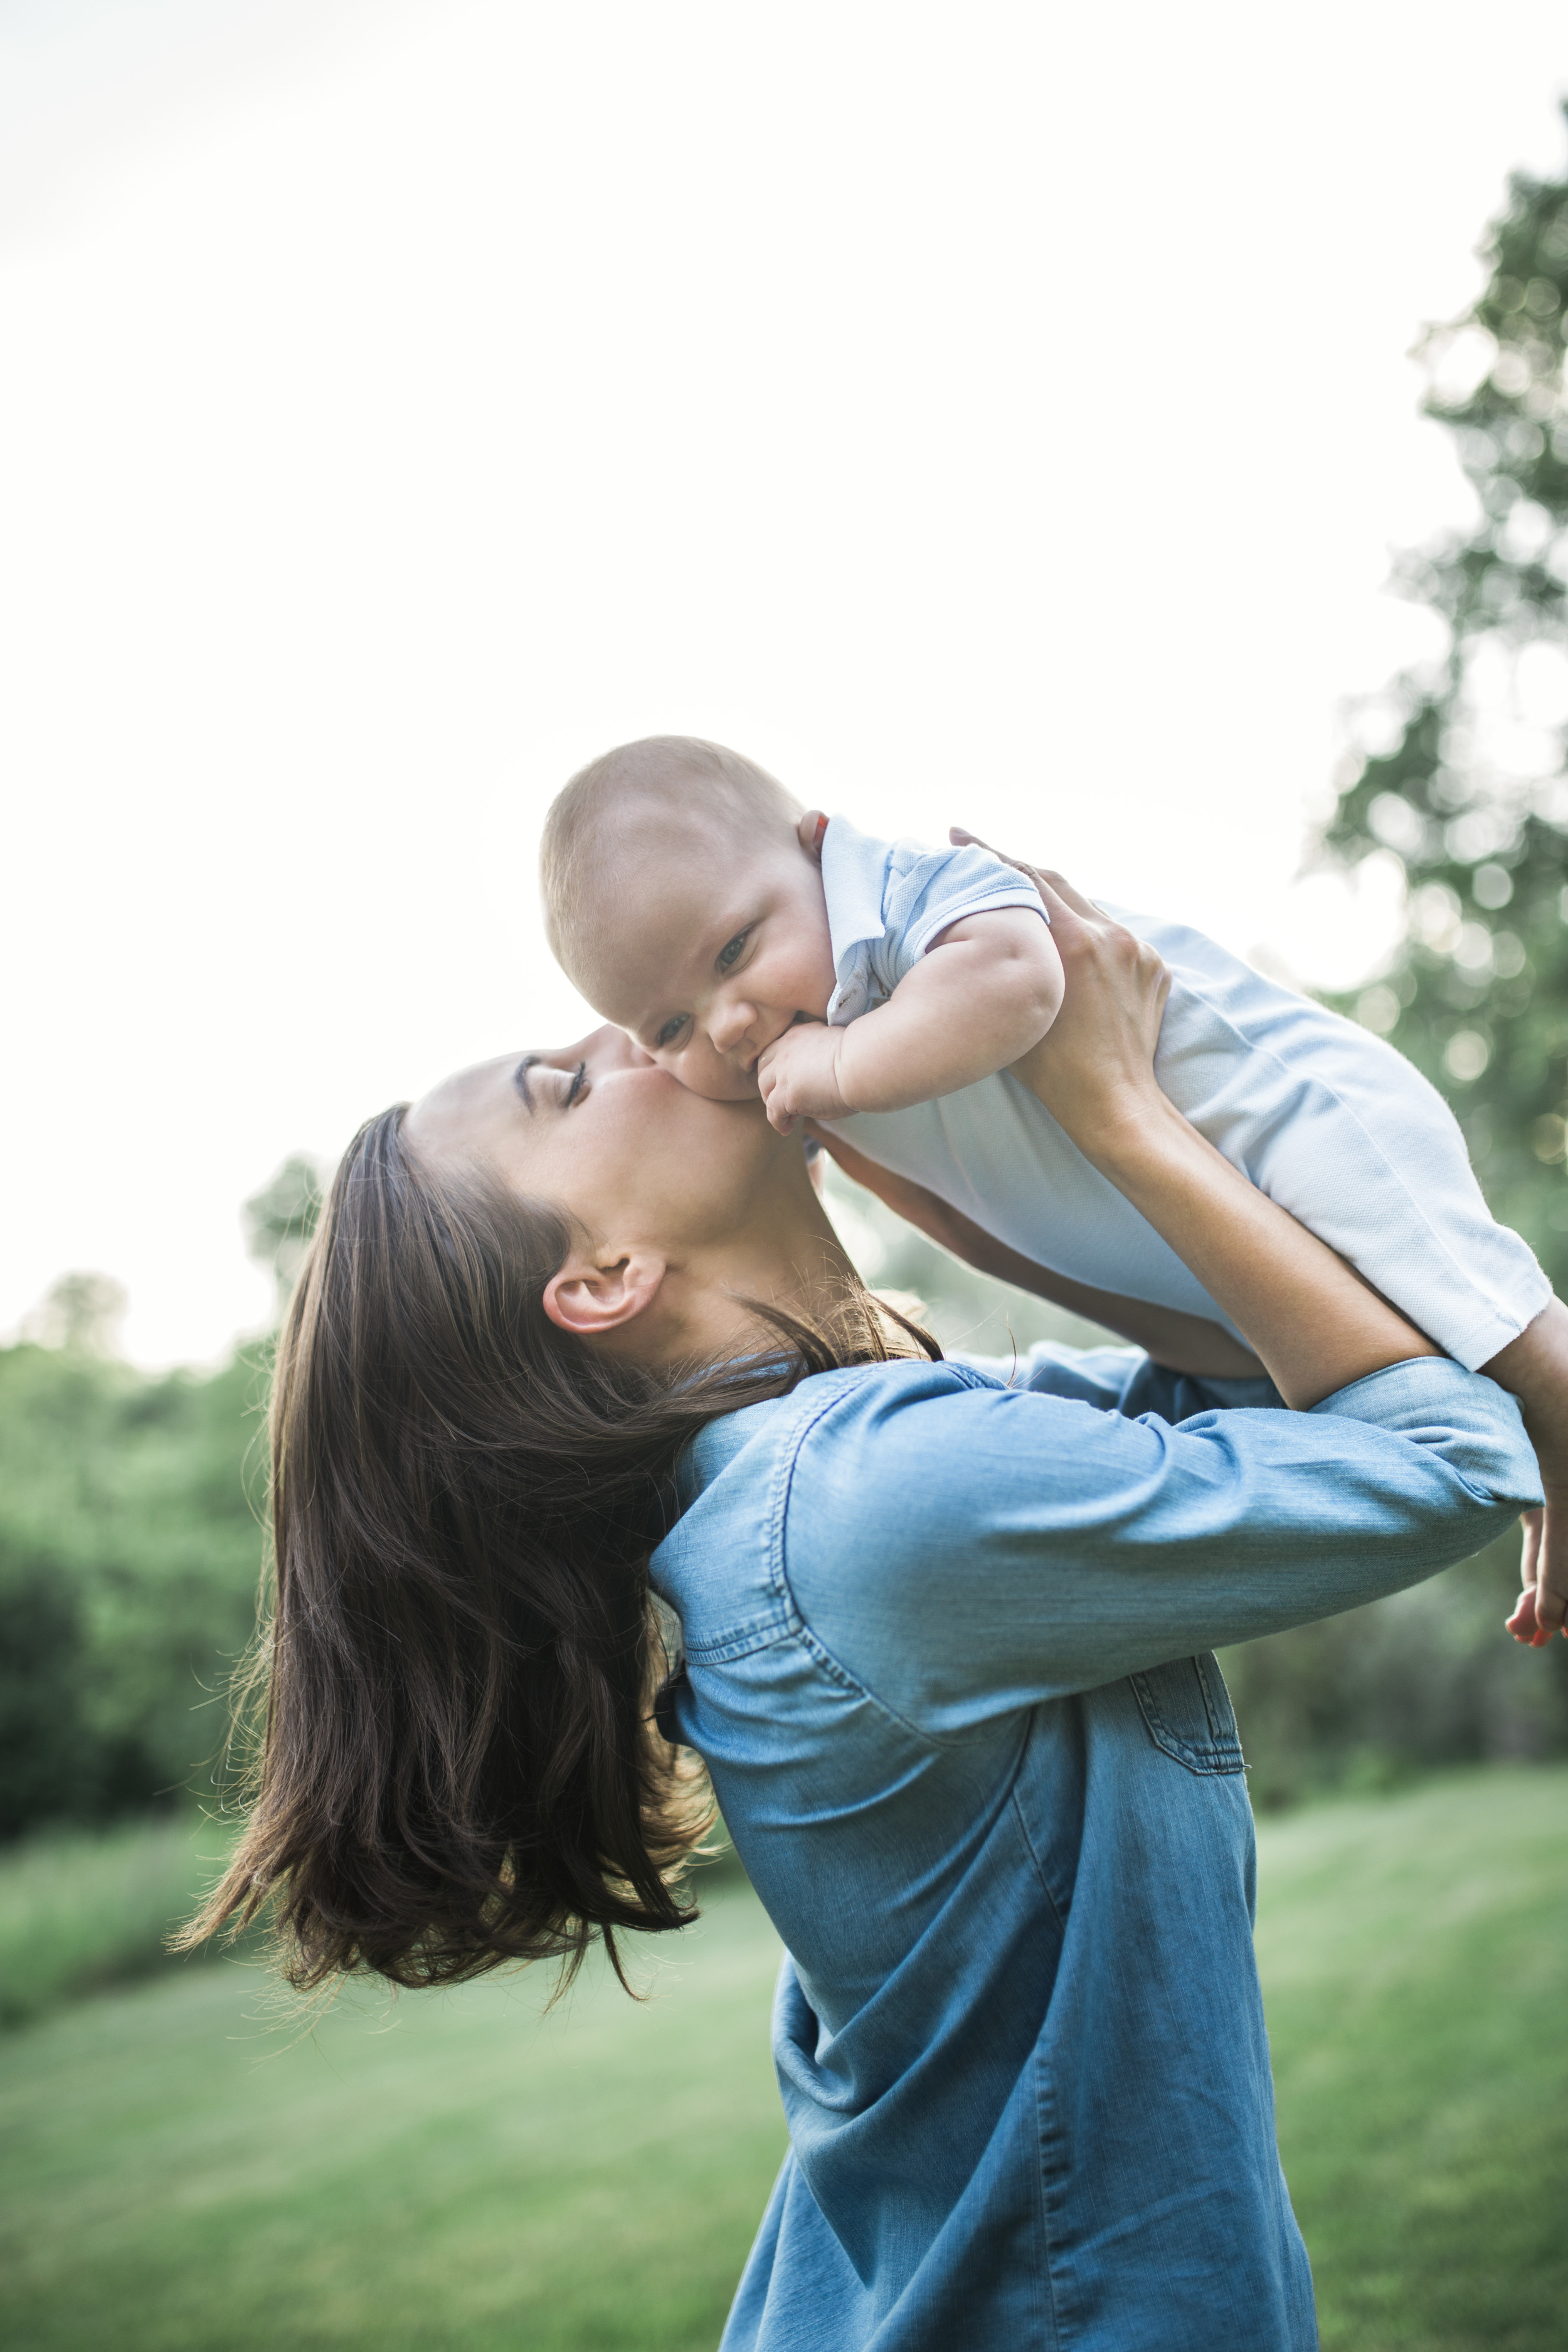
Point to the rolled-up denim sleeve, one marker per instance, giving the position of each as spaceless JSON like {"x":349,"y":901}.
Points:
{"x":963,"y":1549}
{"x":1120,"y":1380}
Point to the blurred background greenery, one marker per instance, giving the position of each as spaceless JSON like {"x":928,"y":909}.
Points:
{"x":189,"y":2170}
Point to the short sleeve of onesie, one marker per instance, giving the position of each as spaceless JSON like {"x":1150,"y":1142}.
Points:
{"x":887,"y":901}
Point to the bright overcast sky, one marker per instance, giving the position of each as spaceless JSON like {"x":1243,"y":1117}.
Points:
{"x":997,"y":414}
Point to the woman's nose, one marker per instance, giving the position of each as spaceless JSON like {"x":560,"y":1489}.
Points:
{"x":603,"y":1049}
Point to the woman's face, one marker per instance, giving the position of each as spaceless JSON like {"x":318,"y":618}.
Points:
{"x":635,"y":1156}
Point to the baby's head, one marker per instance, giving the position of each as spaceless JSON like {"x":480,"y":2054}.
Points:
{"x":683,"y":896}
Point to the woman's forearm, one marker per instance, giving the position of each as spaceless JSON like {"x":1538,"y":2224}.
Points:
{"x":1193,"y":1344}
{"x":1183,"y":1342}
{"x":1314,"y":1323}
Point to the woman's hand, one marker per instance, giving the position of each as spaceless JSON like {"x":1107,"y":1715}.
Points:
{"x":1535,"y":1368}
{"x":1314,"y":1321}
{"x":1094,"y":1067}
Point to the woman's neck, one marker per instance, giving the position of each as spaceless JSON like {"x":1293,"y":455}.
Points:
{"x":786,"y":1256}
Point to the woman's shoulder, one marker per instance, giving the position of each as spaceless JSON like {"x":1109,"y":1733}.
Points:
{"x":846,"y":1456}
{"x":744,"y":1450}
{"x":819,"y":1406}
{"x":871,"y":1393}
{"x":842,"y":1446}
{"x":894,"y":1405}
{"x":816,"y":1463}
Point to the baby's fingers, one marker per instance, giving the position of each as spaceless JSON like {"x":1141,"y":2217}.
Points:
{"x":773,"y":1094}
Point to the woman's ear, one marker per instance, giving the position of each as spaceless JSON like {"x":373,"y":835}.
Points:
{"x":592,"y":1295}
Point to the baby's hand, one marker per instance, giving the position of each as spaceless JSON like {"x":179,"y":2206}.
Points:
{"x":798,"y":1074}
{"x":1543,"y":1572}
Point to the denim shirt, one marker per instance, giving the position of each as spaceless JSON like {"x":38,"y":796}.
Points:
{"x":947,"y":1660}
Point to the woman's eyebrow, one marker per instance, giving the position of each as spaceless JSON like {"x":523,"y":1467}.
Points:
{"x":520,"y":1079}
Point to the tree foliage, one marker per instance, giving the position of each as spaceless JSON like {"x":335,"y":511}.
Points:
{"x":81,"y":1313}
{"x":281,"y":1219}
{"x":1469,"y":792}
{"x":130,"y":1558}
{"x":131,"y":1544}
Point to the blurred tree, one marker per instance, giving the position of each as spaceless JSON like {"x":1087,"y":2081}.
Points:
{"x":281,"y":1219}
{"x":1467,"y":789}
{"x":129,"y":1552}
{"x":129,"y":1544}
{"x":81,"y":1312}
{"x":1462,"y":781}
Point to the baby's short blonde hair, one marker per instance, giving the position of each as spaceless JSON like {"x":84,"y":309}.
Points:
{"x":680,"y":770}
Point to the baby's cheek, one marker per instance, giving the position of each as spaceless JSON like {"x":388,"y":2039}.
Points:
{"x":710,"y":1074}
{"x":819,"y":980}
{"x":801,"y":980}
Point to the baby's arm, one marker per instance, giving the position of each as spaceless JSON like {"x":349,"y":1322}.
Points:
{"x":985,"y":990}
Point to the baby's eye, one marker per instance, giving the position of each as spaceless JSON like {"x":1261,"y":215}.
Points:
{"x":671,"y":1033}
{"x":730,"y":954}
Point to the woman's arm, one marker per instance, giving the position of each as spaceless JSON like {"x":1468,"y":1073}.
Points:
{"x":1011,"y":1546}
{"x":1315,"y":1324}
{"x":1186,"y":1343}
{"x":964,"y":1549}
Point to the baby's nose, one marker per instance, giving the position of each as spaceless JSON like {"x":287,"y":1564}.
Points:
{"x":731,"y":1025}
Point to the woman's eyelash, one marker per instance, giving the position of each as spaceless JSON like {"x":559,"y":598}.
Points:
{"x":578,"y":1075}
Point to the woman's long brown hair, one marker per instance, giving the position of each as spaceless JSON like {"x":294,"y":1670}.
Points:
{"x":456,"y":1765}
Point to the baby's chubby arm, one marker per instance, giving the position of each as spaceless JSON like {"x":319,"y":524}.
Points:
{"x":985,"y":990}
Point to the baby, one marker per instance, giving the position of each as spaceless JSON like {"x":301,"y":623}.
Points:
{"x":884,"y":990}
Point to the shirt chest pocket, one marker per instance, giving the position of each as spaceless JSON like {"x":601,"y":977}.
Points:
{"x":1187,"y":1712}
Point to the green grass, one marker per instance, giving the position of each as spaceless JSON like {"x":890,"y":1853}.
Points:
{"x":179,"y":2174}
{"x":1414,"y":1959}
{"x":84,"y":1908}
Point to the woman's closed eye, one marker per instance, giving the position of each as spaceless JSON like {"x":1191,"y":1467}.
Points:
{"x":576,"y":1087}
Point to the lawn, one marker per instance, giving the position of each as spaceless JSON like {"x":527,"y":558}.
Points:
{"x":84,"y":1908}
{"x":1414,"y":1960}
{"x":180,"y":2174}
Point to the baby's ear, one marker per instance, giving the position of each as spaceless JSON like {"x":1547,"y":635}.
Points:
{"x":809,"y":833}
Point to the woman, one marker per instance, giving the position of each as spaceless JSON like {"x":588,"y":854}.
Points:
{"x":945,"y":1659}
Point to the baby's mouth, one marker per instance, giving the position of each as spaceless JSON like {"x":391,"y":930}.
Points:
{"x":795,"y":1022}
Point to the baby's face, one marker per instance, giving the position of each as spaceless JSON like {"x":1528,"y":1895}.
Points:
{"x":707,"y":945}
